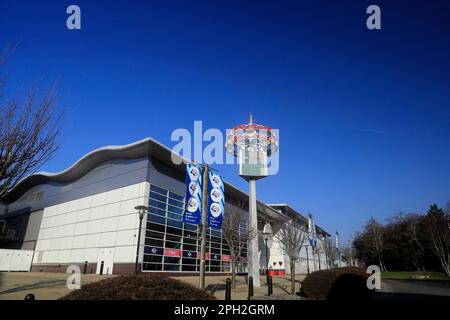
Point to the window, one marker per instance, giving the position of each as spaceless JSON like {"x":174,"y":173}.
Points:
{"x":157,"y":189}
{"x":157,"y":219}
{"x":155,"y":226}
{"x":151,"y":258}
{"x":157,"y":204}
{"x":176,"y":203}
{"x":166,"y":230}
{"x":154,"y":242}
{"x":158,"y":197}
{"x":176,"y":196}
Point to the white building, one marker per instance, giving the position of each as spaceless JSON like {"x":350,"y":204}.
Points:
{"x":85,"y":216}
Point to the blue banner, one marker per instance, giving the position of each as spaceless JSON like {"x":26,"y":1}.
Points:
{"x":312,"y":233}
{"x":216,"y":200}
{"x":193,"y":207}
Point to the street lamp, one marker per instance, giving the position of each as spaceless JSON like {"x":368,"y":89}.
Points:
{"x":325,"y":238}
{"x":307,"y":258}
{"x":142,"y":210}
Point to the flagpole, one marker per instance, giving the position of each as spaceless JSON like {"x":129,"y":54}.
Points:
{"x":203,"y":227}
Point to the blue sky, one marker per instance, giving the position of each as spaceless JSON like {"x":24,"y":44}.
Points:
{"x":363,"y":115}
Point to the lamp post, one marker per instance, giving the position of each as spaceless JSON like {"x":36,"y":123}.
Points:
{"x":307,"y":258}
{"x":142,"y":210}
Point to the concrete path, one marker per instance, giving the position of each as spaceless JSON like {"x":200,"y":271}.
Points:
{"x":45,"y":286}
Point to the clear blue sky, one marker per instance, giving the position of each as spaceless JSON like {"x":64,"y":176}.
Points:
{"x":363,"y":115}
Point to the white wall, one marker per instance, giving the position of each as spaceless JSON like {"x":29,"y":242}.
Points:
{"x":15,"y":260}
{"x":73,"y":232}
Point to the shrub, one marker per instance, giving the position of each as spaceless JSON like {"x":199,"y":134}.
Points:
{"x":338,"y":283}
{"x":138,"y":287}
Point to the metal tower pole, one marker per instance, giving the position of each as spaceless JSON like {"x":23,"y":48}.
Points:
{"x":252,"y":256}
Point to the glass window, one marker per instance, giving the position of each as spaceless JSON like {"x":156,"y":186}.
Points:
{"x":153,"y":242}
{"x":171,"y":267}
{"x":175,"y":216}
{"x":215,"y":250}
{"x":157,"y":204}
{"x":155,"y":227}
{"x":175,"y":209}
{"x":158,"y":197}
{"x":187,"y":267}
{"x":151,"y":258}
{"x":189,"y":247}
{"x":176,"y":203}
{"x":176,"y":196}
{"x":171,"y":237}
{"x":159,"y":212}
{"x":174,"y":223}
{"x":189,"y":240}
{"x":152,"y":266}
{"x":158,"y":189}
{"x":172,"y":230}
{"x":153,"y":234}
{"x":173,"y":245}
{"x":173,"y":260}
{"x":192,"y":227}
{"x":215,"y":245}
{"x":188,"y":261}
{"x":157,"y":219}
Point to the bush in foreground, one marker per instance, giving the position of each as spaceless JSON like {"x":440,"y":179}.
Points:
{"x":138,"y":287}
{"x":338,"y":283}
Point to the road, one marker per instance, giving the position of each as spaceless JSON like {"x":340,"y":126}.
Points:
{"x":413,"y":290}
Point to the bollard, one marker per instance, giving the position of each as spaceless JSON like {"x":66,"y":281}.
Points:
{"x":29,"y":296}
{"x":228,"y":289}
{"x":269,"y":286}
{"x":250,"y":287}
{"x":85,"y":267}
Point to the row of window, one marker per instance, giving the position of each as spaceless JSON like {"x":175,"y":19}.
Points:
{"x":166,"y":230}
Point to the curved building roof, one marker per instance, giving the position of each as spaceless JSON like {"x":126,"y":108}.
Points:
{"x":142,"y":148}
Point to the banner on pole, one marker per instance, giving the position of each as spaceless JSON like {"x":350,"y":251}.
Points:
{"x":193,"y":207}
{"x":312,"y":232}
{"x":216,"y":200}
{"x":337,"y":242}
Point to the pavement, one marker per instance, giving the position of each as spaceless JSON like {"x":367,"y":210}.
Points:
{"x":281,"y":287}
{"x":44,"y":286}
{"x":51,"y":286}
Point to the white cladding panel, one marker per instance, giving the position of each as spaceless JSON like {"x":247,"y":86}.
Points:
{"x":73,"y":232}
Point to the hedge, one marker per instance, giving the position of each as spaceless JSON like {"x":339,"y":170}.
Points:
{"x":338,"y":283}
{"x":138,"y":287}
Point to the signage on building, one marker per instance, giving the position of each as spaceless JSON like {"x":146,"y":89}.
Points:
{"x":216,"y":200}
{"x":193,"y":208}
{"x":172,"y":252}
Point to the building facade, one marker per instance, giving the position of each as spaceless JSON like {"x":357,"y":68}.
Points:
{"x":85,"y":216}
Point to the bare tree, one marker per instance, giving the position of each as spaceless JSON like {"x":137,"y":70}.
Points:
{"x":28,"y":134}
{"x":330,"y":251}
{"x":290,"y":239}
{"x":236,"y":238}
{"x":374,"y":240}
{"x":413,"y":232}
{"x":437,"y":229}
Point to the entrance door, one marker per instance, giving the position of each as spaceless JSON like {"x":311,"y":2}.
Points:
{"x":105,"y":261}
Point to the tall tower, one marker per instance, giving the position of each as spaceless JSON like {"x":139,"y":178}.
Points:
{"x":252,"y":144}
